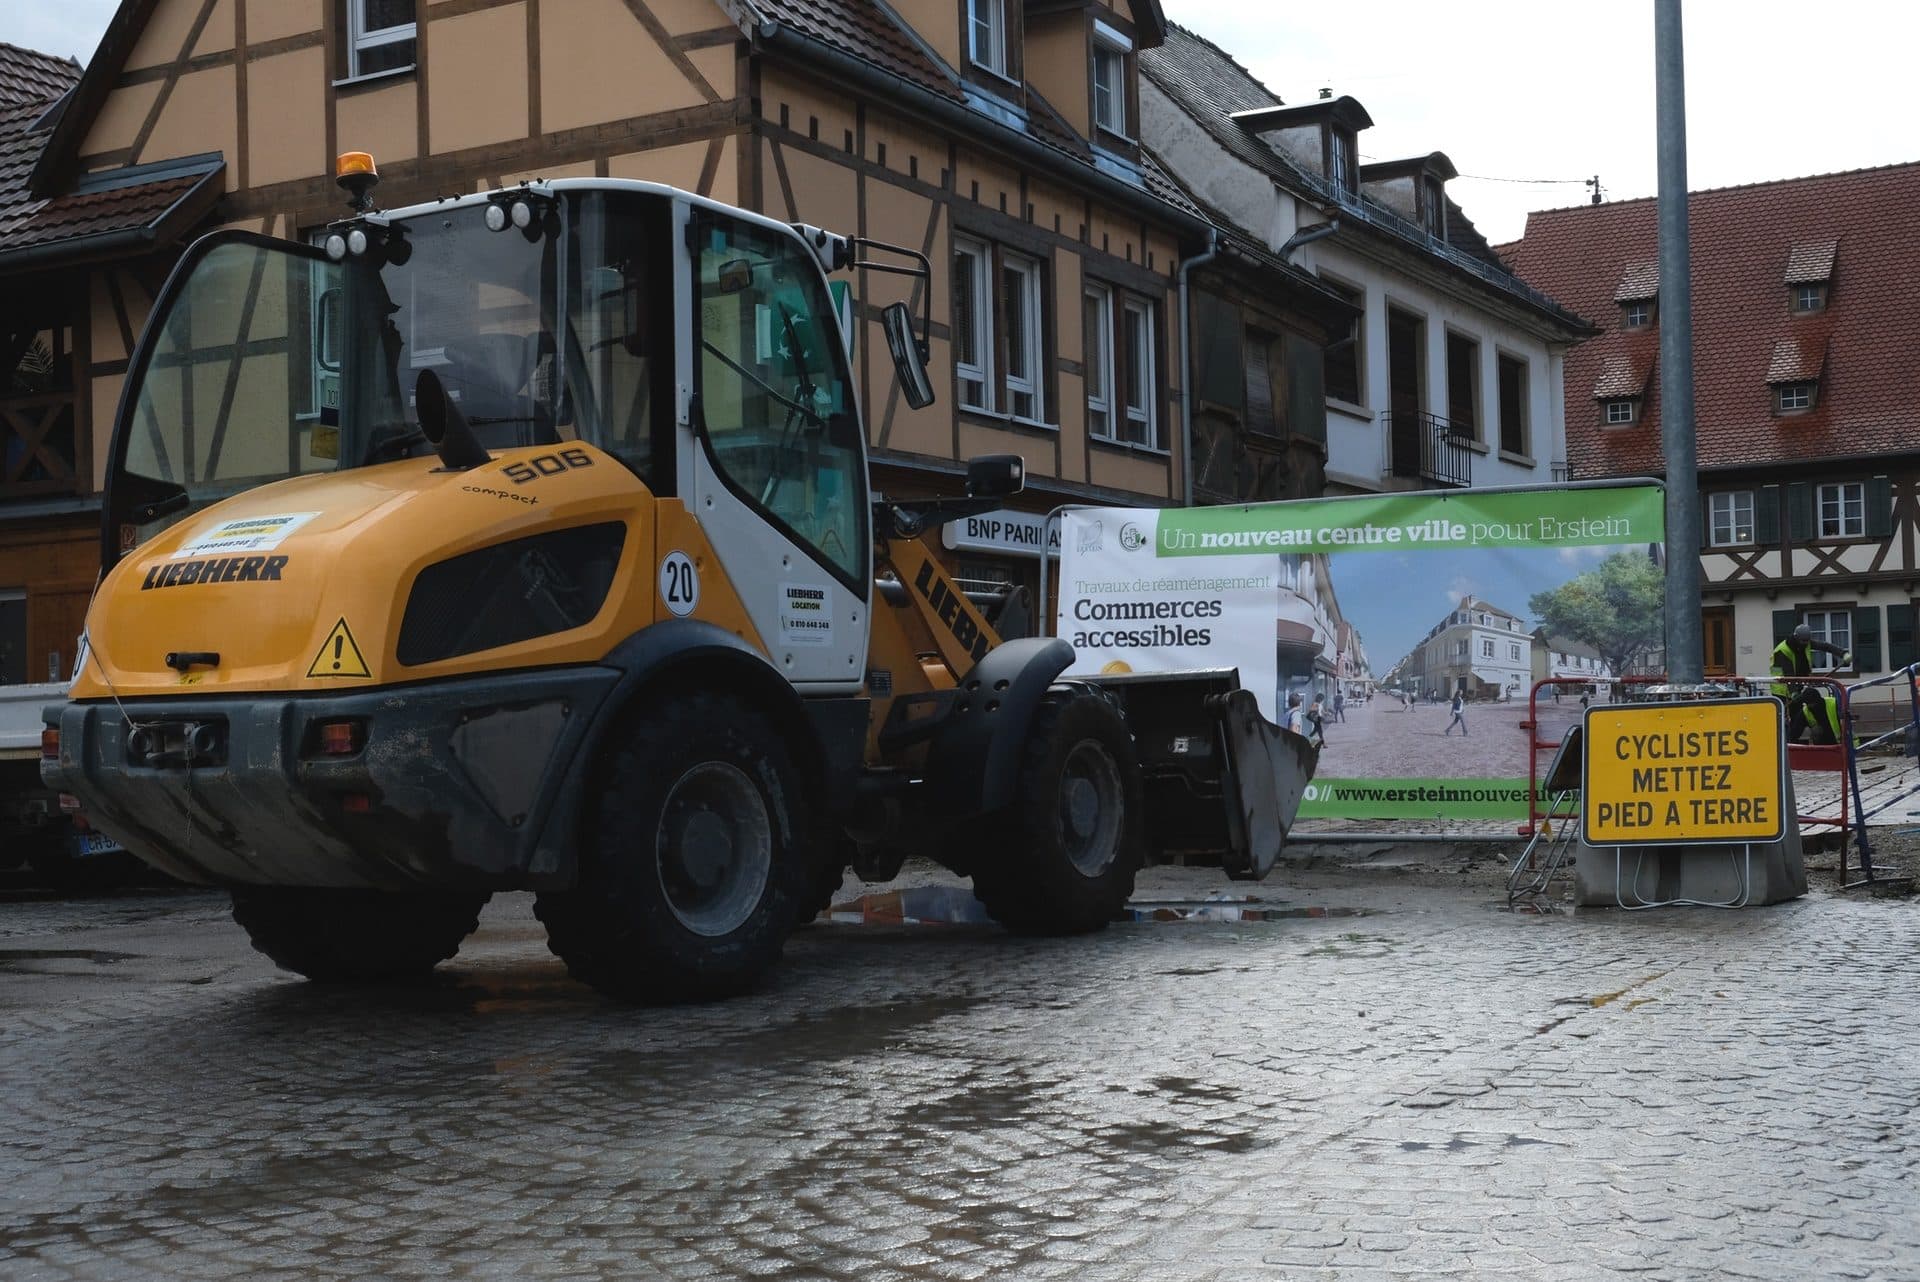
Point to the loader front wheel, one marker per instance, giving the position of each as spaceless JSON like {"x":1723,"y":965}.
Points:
{"x":1072,"y":842}
{"x":334,"y":936}
{"x":694,"y":860}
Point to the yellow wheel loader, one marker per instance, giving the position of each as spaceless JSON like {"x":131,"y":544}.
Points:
{"x":525,"y":540}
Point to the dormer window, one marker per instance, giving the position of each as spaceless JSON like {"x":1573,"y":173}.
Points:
{"x":1793,"y":398}
{"x":1341,"y":171}
{"x":1433,"y":209}
{"x":1809,"y":273}
{"x":1637,"y":314}
{"x":1111,"y":49}
{"x":1621,"y":411}
{"x":987,"y":34}
{"x":1810,"y":297}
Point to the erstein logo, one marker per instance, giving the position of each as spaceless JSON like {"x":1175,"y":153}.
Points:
{"x":1131,"y":538}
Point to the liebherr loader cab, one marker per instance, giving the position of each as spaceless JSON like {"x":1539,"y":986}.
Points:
{"x":524,"y":541}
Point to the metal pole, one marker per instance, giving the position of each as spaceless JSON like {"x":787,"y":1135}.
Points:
{"x":1685,"y":650}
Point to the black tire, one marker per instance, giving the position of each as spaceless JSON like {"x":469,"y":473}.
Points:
{"x":1069,"y":847}
{"x":694,"y":864}
{"x":356,"y":936}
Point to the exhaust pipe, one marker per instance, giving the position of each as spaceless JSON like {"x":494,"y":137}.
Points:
{"x":442,"y":423}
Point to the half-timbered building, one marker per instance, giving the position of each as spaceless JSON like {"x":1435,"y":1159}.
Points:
{"x":999,"y":138}
{"x":1807,"y":398}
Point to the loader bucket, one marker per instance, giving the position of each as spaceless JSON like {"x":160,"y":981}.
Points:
{"x":1223,"y":784}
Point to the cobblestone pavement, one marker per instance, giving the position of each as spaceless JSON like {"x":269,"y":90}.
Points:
{"x":1435,"y":1088}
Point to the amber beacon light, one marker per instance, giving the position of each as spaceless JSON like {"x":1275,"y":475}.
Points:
{"x":354,"y":171}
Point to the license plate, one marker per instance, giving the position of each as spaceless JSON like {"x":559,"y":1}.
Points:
{"x":95,"y":843}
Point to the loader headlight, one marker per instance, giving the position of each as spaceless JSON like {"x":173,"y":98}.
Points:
{"x":356,"y":242}
{"x":496,"y":218}
{"x":336,"y":247}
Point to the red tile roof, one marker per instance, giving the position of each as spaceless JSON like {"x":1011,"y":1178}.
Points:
{"x":1740,"y":238}
{"x":864,"y":30}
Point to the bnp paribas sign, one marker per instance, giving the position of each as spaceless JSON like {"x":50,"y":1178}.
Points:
{"x":1386,"y":607}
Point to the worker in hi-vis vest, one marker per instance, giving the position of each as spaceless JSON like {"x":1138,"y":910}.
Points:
{"x":1793,"y":657}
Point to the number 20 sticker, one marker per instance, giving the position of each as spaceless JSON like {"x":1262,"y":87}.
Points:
{"x":679,"y":584}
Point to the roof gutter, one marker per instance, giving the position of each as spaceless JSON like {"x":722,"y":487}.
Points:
{"x":861,"y":74}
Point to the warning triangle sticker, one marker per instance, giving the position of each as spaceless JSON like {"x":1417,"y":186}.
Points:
{"x":339,"y":656}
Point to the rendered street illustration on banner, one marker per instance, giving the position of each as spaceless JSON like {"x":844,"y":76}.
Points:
{"x":1420,"y":622}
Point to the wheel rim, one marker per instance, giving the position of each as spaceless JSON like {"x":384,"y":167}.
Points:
{"x":714,"y":848}
{"x":1092,"y":805}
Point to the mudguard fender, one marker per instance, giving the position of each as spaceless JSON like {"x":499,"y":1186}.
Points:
{"x":973,"y":763}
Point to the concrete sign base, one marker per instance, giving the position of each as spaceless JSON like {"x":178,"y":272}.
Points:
{"x":1717,"y":876}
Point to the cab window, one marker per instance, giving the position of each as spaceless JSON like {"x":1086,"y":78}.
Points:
{"x":776,"y":400}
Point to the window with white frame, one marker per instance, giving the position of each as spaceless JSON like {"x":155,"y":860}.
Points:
{"x":1136,"y":344}
{"x":1463,"y":647}
{"x":1843,"y":510}
{"x":1730,"y":518}
{"x":1835,"y":627}
{"x":1099,"y":331}
{"x":380,"y":36}
{"x":1789,"y":397}
{"x":1636,"y":313}
{"x":1513,"y":650}
{"x":1110,"y":50}
{"x":1621,"y":411}
{"x":987,"y":34}
{"x":1024,"y":347}
{"x":1486,"y":648}
{"x":1809,"y":297}
{"x":972,"y":324}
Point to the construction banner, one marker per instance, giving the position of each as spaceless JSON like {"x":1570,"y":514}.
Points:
{"x":1418,"y":621}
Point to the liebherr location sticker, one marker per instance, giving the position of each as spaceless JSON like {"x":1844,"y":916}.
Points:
{"x":245,"y":534}
{"x":806,"y":614}
{"x":1683,"y":772}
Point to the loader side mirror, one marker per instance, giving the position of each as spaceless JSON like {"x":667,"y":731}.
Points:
{"x":909,"y":357}
{"x":995,"y":476}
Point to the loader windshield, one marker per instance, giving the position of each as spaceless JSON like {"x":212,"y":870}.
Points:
{"x":271,"y":359}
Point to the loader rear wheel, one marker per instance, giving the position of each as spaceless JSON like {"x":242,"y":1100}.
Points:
{"x":356,"y":936}
{"x":1070,"y":845}
{"x":694,"y":861}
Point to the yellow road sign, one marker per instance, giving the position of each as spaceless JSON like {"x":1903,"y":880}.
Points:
{"x":1712,"y":772}
{"x":339,"y":656}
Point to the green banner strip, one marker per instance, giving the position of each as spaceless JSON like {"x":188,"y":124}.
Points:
{"x":1415,"y":799}
{"x":1412,"y":523}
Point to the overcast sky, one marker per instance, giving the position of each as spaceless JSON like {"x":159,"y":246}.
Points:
{"x":1518,"y":89}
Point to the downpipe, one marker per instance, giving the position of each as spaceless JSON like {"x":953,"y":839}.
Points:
{"x":1186,"y":360}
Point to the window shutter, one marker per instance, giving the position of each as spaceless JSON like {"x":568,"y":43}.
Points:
{"x":1766,"y":516}
{"x":1866,"y":638}
{"x":1306,"y":394}
{"x":1259,"y":386}
{"x":1899,"y":635}
{"x":1799,"y":512}
{"x":1879,"y":507}
{"x":1784,"y":621}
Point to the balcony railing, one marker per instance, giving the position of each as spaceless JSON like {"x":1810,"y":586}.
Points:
{"x":1429,"y":448}
{"x":37,"y":445}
